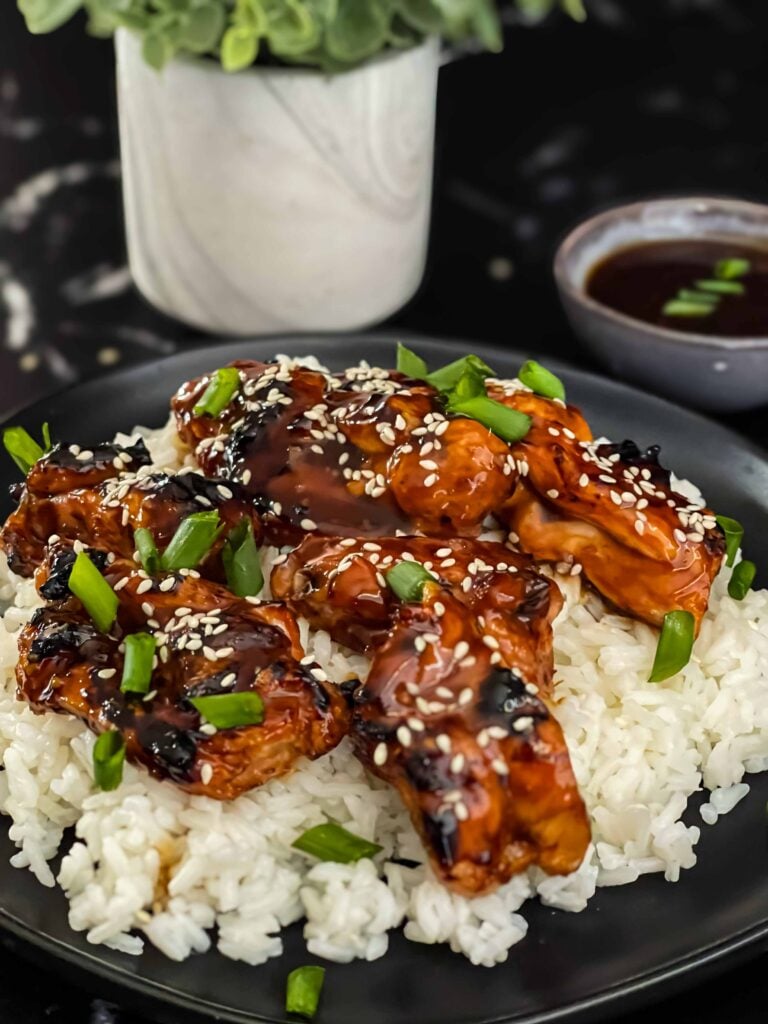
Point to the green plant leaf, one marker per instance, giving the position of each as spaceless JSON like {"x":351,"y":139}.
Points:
{"x":422,"y":15}
{"x":292,"y":28}
{"x":359,"y":30}
{"x":157,"y":50}
{"x":203,"y":28}
{"x":46,"y":15}
{"x":239,"y":48}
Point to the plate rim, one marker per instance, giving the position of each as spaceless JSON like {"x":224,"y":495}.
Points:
{"x":640,"y":989}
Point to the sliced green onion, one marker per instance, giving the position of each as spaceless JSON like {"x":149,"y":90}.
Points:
{"x":108,"y":760}
{"x":231,"y":710}
{"x":410,"y":364}
{"x":137,"y":667}
{"x":219,"y":393}
{"x":541,"y":380}
{"x":471,"y":384}
{"x":721,"y":287}
{"x":46,"y":432}
{"x":242,"y":563}
{"x":729,"y":269}
{"x":677,"y":308}
{"x":446,"y":378}
{"x":742,"y":578}
{"x":22,"y":447}
{"x":675,"y":645}
{"x":734,"y":534}
{"x":703,"y":298}
{"x":303,"y":989}
{"x":192,"y":541}
{"x":332,"y":842}
{"x":408,"y":579}
{"x":147,"y":549}
{"x":508,"y":424}
{"x":98,"y":598}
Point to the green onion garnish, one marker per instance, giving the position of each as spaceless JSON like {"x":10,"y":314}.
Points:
{"x":98,"y":598}
{"x":705,"y":298}
{"x":678,"y":308}
{"x":508,"y":424}
{"x":45,"y":430}
{"x":304,"y":987}
{"x":410,"y":364}
{"x":332,"y":842}
{"x":541,"y":380}
{"x":22,"y":447}
{"x":408,"y":579}
{"x":734,"y":534}
{"x":231,"y":710}
{"x":242,"y":564}
{"x":742,"y":578}
{"x":675,"y":645}
{"x":147,"y":549}
{"x":137,"y":667}
{"x":446,"y":378}
{"x":219,"y":393}
{"x":108,"y":760}
{"x":729,"y":269}
{"x":721,"y":287}
{"x":192,"y":541}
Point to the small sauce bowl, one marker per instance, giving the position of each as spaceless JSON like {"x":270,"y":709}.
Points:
{"x":709,"y":371}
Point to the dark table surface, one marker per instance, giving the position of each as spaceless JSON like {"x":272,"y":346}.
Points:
{"x":651,"y":97}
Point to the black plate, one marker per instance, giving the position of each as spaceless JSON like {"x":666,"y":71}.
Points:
{"x":630,"y":944}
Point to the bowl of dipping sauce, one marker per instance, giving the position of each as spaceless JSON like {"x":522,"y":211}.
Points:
{"x":673,"y":295}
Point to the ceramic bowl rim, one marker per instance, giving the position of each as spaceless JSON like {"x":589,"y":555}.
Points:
{"x":627,"y":211}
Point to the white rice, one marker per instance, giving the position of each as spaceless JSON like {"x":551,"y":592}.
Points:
{"x":152,"y":863}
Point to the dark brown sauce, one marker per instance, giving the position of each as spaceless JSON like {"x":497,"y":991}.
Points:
{"x":640,"y":279}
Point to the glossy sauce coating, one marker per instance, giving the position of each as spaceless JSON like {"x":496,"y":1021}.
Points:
{"x":451,"y":712}
{"x":209,"y":643}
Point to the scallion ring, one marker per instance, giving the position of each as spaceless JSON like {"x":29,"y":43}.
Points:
{"x":192,"y":541}
{"x":410,"y":364}
{"x":219,"y":393}
{"x":98,"y":598}
{"x":447,"y":377}
{"x":721,"y":287}
{"x":508,"y":424}
{"x":331,"y":842}
{"x":408,"y":579}
{"x":734,"y":534}
{"x":541,"y":380}
{"x":138,"y":664}
{"x":242,"y":563}
{"x":230,"y":710}
{"x":676,"y":307}
{"x":149,"y":556}
{"x":302,"y":995}
{"x":742,"y":578}
{"x":675,"y":645}
{"x":108,"y":760}
{"x":22,"y":447}
{"x":730,"y":269}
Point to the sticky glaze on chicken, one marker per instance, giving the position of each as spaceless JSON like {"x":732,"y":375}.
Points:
{"x":451,"y":712}
{"x":363,"y":452}
{"x":612,"y":509}
{"x":99,"y":496}
{"x":209,"y":642}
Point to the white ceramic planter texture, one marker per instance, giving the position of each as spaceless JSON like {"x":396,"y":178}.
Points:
{"x":276,"y":199}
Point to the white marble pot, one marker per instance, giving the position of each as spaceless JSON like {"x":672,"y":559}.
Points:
{"x":277,"y":199}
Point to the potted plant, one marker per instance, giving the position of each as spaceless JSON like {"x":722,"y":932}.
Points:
{"x":277,"y":154}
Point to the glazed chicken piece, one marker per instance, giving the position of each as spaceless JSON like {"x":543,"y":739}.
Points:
{"x":99,"y":496}
{"x":612,"y":509}
{"x":363,"y":452}
{"x":451,"y":713}
{"x":209,"y":643}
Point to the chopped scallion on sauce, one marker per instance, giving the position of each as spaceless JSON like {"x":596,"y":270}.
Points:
{"x":138,"y":664}
{"x":242,"y":563}
{"x":219,"y":393}
{"x":108,"y":760}
{"x":742,"y":578}
{"x":96,"y":595}
{"x":408,"y":579}
{"x":675,"y":645}
{"x":230,"y":710}
{"x":334,"y":843}
{"x":734,"y":534}
{"x":192,"y":541}
{"x":541,"y":380}
{"x":149,"y":556}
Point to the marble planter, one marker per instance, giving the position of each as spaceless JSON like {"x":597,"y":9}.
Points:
{"x":276,"y":199}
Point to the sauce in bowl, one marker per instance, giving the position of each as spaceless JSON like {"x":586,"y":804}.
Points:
{"x":702,"y":286}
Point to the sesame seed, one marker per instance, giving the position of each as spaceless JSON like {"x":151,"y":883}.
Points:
{"x":521,"y":724}
{"x":246,"y":477}
{"x":466,"y":696}
{"x":380,"y":754}
{"x":206,"y":774}
{"x":120,"y":583}
{"x":457,"y":763}
{"x":147,"y":608}
{"x":209,"y":653}
{"x":679,"y":536}
{"x":106,"y":673}
{"x":428,"y":464}
{"x":144,"y":586}
{"x":553,"y":494}
{"x":84,"y":456}
{"x":443,"y":742}
{"x":491,"y":642}
{"x":431,"y":480}
{"x":404,"y":735}
{"x":460,"y":810}
{"x":495,"y":658}
{"x":308,"y":524}
{"x":439,"y":608}
{"x":225,"y":652}
{"x":499,"y":766}
{"x":639,"y":527}
{"x":583,"y":480}
{"x":415,"y":724}
{"x":229,"y":680}
{"x":168,"y":584}
{"x":461,"y":650}
{"x":496,"y":732}
{"x":208,"y":729}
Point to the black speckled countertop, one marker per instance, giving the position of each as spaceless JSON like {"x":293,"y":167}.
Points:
{"x":651,"y":97}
